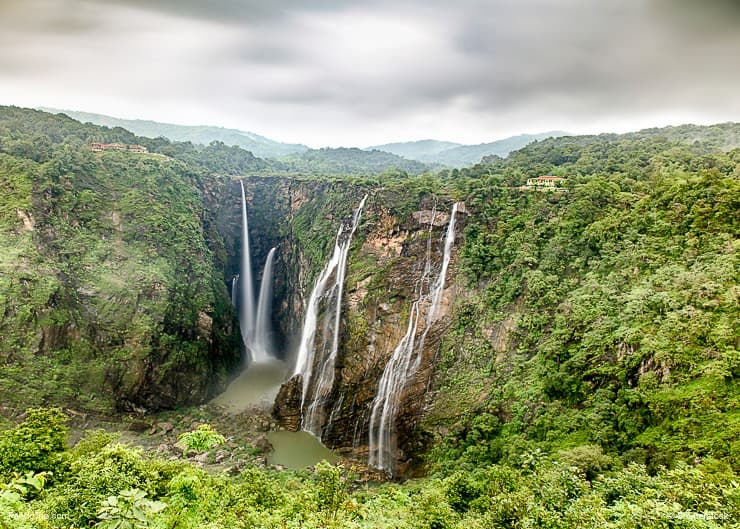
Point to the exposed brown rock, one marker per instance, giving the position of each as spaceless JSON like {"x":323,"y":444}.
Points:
{"x":27,"y":219}
{"x":435,"y":218}
{"x":287,"y":407}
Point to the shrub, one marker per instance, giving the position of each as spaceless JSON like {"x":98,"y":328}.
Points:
{"x":114,"y":469}
{"x":129,"y":510}
{"x":34,"y":445}
{"x":201,"y":440}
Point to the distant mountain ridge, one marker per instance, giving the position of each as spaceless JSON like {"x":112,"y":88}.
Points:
{"x":422,"y":150}
{"x":458,"y":155}
{"x":351,"y":160}
{"x":199,"y":134}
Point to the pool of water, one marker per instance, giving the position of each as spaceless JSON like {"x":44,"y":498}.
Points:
{"x":296,"y":450}
{"x":256,"y":386}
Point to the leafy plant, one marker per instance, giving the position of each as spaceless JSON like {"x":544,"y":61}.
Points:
{"x":129,"y":510}
{"x":35,"y":444}
{"x":202,"y":439}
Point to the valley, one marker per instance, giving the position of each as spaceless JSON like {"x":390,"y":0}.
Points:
{"x":470,"y":351}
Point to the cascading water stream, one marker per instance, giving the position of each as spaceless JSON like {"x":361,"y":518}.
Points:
{"x":406,"y":358}
{"x":246,"y":305}
{"x":262,"y":343}
{"x":319,"y":389}
{"x":234,"y":291}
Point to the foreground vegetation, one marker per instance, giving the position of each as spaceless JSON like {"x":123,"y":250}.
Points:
{"x":44,"y":484}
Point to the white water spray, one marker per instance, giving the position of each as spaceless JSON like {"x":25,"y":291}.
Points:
{"x":234,"y":291}
{"x":246,"y":305}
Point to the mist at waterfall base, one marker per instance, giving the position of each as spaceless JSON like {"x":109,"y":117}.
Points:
{"x":406,"y":357}
{"x":326,"y":293}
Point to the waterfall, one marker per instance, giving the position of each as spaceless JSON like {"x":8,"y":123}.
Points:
{"x":234,"y":286}
{"x":262,"y":343}
{"x":246,"y":306}
{"x":319,"y":389}
{"x":406,"y":357}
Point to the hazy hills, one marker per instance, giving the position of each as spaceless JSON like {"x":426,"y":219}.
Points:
{"x":422,"y":150}
{"x":199,"y":134}
{"x":458,"y":155}
{"x":344,"y":160}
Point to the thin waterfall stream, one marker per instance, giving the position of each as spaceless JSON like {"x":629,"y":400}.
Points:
{"x":406,"y":356}
{"x":246,"y":299}
{"x":262,"y":343}
{"x":317,"y":388}
{"x":234,"y":286}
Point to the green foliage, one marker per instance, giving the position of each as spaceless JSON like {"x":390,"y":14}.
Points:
{"x":600,"y":317}
{"x":331,"y":491}
{"x":115,"y":486}
{"x":129,"y":510}
{"x":34,"y":445}
{"x":105,"y":271}
{"x":202,"y":439}
{"x":95,"y":476}
{"x":350,"y":161}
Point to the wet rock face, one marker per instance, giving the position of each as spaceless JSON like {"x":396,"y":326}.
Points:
{"x":386,"y":260}
{"x":380,"y":287}
{"x":287,"y":407}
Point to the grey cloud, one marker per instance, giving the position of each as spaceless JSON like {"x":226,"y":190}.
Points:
{"x":481,"y":58}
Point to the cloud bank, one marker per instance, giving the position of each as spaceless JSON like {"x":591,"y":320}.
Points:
{"x":357,"y":73}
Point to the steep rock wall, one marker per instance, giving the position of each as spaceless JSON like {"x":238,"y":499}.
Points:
{"x":387,"y":259}
{"x":108,"y":297}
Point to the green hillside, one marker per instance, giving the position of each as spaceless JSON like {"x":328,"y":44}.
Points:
{"x":199,"y":134}
{"x":108,"y":288}
{"x":350,"y":161}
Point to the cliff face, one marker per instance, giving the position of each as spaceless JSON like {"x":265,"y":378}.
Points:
{"x":387,"y":259}
{"x":107,"y":290}
{"x":299,"y":218}
{"x":382,"y":285}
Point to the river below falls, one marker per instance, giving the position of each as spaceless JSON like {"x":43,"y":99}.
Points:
{"x":256,"y":387}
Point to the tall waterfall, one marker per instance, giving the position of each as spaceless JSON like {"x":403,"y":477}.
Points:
{"x":406,"y":356}
{"x":234,"y":286}
{"x":246,"y":305}
{"x":320,"y":388}
{"x":262,"y":343}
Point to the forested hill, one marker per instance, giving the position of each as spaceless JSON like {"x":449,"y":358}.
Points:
{"x":604,"y":313}
{"x":457,"y":155}
{"x":704,"y":139}
{"x":203,"y":135}
{"x":33,"y":134}
{"x":351,"y":161}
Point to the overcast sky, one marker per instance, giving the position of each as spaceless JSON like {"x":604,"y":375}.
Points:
{"x":351,"y":72}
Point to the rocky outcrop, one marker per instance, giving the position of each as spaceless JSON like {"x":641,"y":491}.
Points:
{"x":287,"y":407}
{"x":374,"y":331}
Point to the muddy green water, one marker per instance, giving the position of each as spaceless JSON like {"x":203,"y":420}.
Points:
{"x":257,"y":387}
{"x":295,"y":450}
